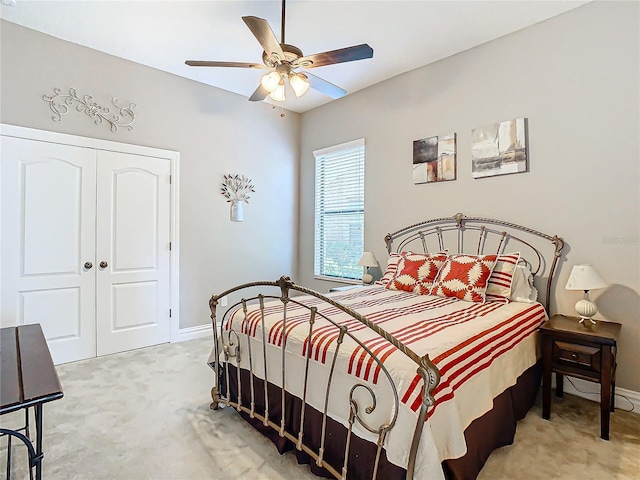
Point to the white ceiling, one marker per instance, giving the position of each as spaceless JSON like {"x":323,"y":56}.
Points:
{"x":404,"y":35}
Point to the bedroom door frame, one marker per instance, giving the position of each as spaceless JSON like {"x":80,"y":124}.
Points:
{"x":109,"y":145}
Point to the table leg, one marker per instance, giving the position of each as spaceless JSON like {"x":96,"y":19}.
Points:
{"x":613,"y":394}
{"x":38,"y":409}
{"x":546,"y":378}
{"x":27,"y":430}
{"x":27,"y":443}
{"x":605,"y":391}
{"x":559,"y":385}
{"x":9,"y":458}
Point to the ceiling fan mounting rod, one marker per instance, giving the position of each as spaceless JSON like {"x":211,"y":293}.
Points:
{"x":282,"y":22}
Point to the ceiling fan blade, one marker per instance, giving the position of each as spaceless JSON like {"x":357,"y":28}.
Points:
{"x":259,"y":95}
{"x":325,"y":87}
{"x":203,"y":63}
{"x":263,"y":33}
{"x":348,"y":54}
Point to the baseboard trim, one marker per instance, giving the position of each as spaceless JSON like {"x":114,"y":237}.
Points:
{"x":591,"y":391}
{"x":191,"y":333}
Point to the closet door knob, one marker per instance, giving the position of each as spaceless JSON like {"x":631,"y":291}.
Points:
{"x":88,"y":265}
{"x":103,"y":264}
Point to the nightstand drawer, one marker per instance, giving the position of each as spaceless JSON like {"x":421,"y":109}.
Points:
{"x":580,"y":356}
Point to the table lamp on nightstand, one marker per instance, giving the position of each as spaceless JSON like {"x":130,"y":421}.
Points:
{"x":585,"y":277}
{"x":367,"y":260}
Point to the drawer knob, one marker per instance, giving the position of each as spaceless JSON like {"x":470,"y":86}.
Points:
{"x":574,"y":355}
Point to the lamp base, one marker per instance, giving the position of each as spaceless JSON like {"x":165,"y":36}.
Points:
{"x":586,"y":309}
{"x":367,"y":279}
{"x":587,"y":322}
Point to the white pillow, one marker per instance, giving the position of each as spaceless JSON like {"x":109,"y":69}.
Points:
{"x":392,"y":267}
{"x":522,"y":288}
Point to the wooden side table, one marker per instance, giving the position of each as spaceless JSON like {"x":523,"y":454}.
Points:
{"x":569,"y":348}
{"x":28,"y":379}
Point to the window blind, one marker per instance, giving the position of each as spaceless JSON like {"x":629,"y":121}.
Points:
{"x":339,"y":210}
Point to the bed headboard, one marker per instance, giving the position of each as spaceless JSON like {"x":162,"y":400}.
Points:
{"x":476,"y":235}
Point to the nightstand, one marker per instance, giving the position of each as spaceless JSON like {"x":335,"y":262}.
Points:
{"x":568,"y":348}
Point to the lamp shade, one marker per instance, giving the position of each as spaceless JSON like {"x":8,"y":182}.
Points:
{"x":278,"y":94}
{"x":584,"y":277}
{"x":299,"y":82}
{"x":368,"y":259}
{"x":271,"y":81}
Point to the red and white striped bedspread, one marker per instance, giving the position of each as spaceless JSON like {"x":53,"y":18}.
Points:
{"x":480,"y":350}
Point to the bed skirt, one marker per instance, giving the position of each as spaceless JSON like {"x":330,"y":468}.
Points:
{"x":494,"y":429}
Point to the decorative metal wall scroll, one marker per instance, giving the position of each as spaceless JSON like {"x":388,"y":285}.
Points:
{"x":60,"y":103}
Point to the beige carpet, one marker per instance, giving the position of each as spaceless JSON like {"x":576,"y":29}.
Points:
{"x":145,"y":415}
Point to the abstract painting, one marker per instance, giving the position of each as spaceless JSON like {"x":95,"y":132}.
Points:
{"x":434,"y":159}
{"x":499,"y":149}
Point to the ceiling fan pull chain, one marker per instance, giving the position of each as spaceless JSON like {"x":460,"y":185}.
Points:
{"x":282,"y":114}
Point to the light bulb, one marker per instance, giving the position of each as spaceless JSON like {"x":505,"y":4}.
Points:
{"x":270,"y":81}
{"x":300,"y":83}
{"x":278,"y":93}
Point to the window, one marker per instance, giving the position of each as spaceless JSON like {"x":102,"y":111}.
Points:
{"x":339,"y":233}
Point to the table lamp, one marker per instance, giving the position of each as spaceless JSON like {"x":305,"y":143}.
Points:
{"x":367,"y":260}
{"x":585,"y":277}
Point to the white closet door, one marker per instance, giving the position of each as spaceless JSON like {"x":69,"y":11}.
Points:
{"x":48,"y":233}
{"x":133,"y":233}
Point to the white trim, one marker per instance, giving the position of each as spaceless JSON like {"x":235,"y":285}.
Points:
{"x":349,"y":281}
{"x":191,"y":333}
{"x":78,"y":141}
{"x":591,"y":391}
{"x":98,"y":144}
{"x":175,"y":250}
{"x":343,"y":146}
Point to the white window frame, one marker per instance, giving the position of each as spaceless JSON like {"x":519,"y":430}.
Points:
{"x":320,"y":156}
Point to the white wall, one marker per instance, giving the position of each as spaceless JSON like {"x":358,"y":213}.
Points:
{"x":216,"y":132}
{"x":576,"y":78}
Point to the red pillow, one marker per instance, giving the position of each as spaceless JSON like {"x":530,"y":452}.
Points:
{"x":464,"y":277}
{"x":416,"y":272}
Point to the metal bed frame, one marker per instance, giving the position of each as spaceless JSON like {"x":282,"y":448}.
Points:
{"x":482,"y":233}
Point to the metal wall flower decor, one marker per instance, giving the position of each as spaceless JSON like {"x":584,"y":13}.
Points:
{"x":59,"y":104}
{"x":236,"y":189}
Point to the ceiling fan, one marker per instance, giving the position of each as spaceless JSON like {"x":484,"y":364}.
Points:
{"x":283,"y":60}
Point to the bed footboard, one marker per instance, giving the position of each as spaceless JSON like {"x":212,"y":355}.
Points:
{"x":237,"y":347}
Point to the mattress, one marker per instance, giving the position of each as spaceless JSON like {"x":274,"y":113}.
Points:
{"x":479,"y":349}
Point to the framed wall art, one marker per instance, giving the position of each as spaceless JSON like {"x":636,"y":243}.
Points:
{"x":434,"y":159}
{"x":499,"y":149}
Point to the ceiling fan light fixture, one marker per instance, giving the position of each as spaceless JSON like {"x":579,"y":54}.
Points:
{"x":271,"y":81}
{"x":299,"y":83}
{"x":278,"y":94}
{"x":282,"y":59}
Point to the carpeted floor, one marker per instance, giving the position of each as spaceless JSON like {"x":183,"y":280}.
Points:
{"x":145,"y":414}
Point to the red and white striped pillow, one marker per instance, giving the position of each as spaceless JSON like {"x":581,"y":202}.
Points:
{"x":501,"y":279}
{"x":392,"y":267}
